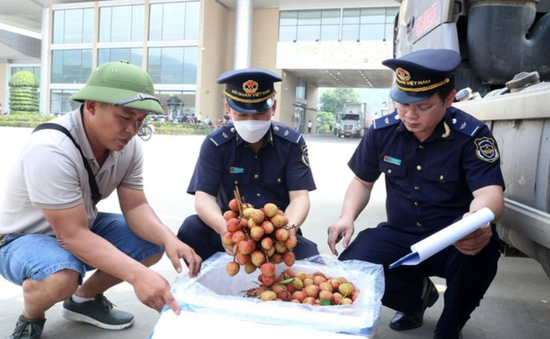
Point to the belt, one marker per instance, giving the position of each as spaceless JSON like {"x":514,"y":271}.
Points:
{"x":2,"y":239}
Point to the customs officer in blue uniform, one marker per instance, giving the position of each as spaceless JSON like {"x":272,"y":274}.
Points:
{"x":267,"y":161}
{"x":440,"y":164}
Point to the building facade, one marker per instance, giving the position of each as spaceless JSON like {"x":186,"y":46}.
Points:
{"x":185,"y":45}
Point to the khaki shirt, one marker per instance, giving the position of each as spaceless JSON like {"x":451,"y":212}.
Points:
{"x":50,"y":174}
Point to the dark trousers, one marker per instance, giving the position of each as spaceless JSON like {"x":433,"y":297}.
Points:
{"x":206,"y":242}
{"x":468,"y":277}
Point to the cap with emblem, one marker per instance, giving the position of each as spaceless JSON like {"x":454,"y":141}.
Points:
{"x":251,"y":90}
{"x":121,"y":84}
{"x":419,"y":74}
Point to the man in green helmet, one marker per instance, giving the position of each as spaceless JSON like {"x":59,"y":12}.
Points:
{"x":50,"y":230}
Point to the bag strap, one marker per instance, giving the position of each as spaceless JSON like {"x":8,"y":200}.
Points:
{"x":96,"y":196}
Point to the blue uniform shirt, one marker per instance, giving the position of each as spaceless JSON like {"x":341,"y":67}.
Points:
{"x":225,"y":161}
{"x":429,"y":184}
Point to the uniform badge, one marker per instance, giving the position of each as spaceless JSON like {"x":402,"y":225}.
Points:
{"x":236,"y":170}
{"x":305,"y":155}
{"x":486,"y":149}
{"x":392,"y":160}
{"x":250,"y":87}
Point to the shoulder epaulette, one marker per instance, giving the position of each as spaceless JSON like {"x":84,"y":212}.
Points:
{"x":223,"y":135}
{"x":465,"y":124}
{"x":285,"y":132}
{"x":387,"y":120}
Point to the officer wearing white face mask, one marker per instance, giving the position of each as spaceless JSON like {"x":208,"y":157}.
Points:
{"x":266,"y":160}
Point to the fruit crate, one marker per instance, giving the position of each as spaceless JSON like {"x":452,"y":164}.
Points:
{"x":214,"y":301}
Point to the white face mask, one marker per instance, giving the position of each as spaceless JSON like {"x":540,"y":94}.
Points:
{"x":252,"y":130}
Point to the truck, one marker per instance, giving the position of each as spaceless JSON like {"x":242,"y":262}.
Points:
{"x":351,"y":122}
{"x":505,"y":50}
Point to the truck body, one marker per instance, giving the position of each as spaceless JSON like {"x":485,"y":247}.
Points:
{"x":498,"y":39}
{"x":351,"y":122}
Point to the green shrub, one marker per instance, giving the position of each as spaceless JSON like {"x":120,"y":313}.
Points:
{"x":24,"y":93}
{"x":23,"y":120}
{"x":180,"y":129}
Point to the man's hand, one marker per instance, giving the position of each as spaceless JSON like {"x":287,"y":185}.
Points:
{"x":228,"y":249}
{"x":341,"y":229}
{"x":154,"y":291}
{"x":176,"y":250}
{"x":475,"y":241}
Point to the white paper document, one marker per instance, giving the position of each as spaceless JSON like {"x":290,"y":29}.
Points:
{"x":424,"y":249}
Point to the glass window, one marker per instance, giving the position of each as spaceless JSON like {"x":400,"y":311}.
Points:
{"x":288,"y":18}
{"x":61,"y":102}
{"x":330,"y":25}
{"x":173,"y":65}
{"x":88,"y":25}
{"x":121,"y":24}
{"x":330,"y":32}
{"x":153,"y":66}
{"x":350,"y":32}
{"x":33,"y":70}
{"x":368,"y":24}
{"x":105,"y":19}
{"x":155,"y":22}
{"x":177,"y":103}
{"x":301,"y":89}
{"x":309,"y":33}
{"x":373,"y":15}
{"x":133,"y":55}
{"x":309,"y":18}
{"x":351,"y":16}
{"x":71,"y":66}
{"x":121,"y":21}
{"x":287,"y":33}
{"x":192,"y":13}
{"x":137,"y":22}
{"x":325,"y":25}
{"x":190,"y":65}
{"x":73,"y":26}
{"x":391,"y":12}
{"x":58,"y":26}
{"x":174,"y":21}
{"x":172,"y":29}
{"x":372,"y":32}
{"x":330,"y":17}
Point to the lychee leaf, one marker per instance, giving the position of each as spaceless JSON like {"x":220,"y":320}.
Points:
{"x":287,"y":281}
{"x":325,"y":302}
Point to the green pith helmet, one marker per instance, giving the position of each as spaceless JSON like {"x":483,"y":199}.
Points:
{"x":120,"y":84}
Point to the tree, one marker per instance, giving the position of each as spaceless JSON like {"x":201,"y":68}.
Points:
{"x":24,"y":93}
{"x":326,"y":122}
{"x":334,"y":100}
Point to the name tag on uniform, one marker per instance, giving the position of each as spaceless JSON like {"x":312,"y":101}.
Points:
{"x":392,"y":160}
{"x":236,"y":170}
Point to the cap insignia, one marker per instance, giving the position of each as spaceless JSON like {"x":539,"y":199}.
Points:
{"x":403,"y":75}
{"x":250,"y":87}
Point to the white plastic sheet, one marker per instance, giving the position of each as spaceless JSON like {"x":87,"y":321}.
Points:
{"x":215,"y":295}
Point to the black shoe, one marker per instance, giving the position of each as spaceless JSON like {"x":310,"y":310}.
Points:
{"x":402,"y":321}
{"x":26,"y":328}
{"x":98,"y":312}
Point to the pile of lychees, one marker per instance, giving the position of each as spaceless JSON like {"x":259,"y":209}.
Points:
{"x":315,"y":289}
{"x":260,"y":239}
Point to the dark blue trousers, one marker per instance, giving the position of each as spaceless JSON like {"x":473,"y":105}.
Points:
{"x":468,"y":277}
{"x":206,"y":242}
